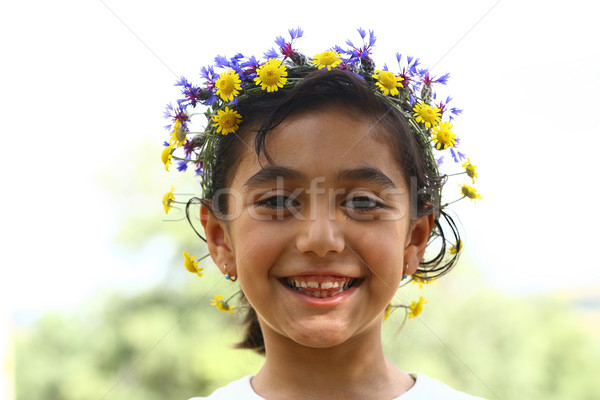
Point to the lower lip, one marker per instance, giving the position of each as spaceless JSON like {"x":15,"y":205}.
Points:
{"x":323,"y":301}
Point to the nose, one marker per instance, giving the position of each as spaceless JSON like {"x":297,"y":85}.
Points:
{"x":320,"y":235}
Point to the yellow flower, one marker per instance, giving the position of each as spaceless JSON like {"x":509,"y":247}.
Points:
{"x":191,"y":265}
{"x":178,"y":135}
{"x":416,"y":307}
{"x":424,"y":113}
{"x":470,"y":168}
{"x":388,"y":311}
{"x":470,"y":192}
{"x":388,"y":82}
{"x":166,"y":156}
{"x":456,"y":247}
{"x":421,"y":280}
{"x":443,"y":137}
{"x":167,"y":198}
{"x":271,"y":75}
{"x":227,"y":121}
{"x":228,"y":85}
{"x":221,"y":304}
{"x":327,"y":59}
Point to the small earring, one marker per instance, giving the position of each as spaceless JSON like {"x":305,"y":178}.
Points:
{"x":404,"y":276}
{"x":227,"y":276}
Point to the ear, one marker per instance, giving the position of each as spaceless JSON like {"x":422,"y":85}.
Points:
{"x":218,"y":242}
{"x":418,"y":235}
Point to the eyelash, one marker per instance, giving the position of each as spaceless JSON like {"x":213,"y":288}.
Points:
{"x":280,"y":202}
{"x":374,"y":204}
{"x":274,"y":202}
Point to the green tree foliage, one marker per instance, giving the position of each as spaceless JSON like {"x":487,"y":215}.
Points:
{"x":160,"y":344}
{"x":169,"y":343}
{"x":500,"y":347}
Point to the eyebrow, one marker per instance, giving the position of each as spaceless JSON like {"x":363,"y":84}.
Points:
{"x":369,"y":174}
{"x":272,"y":173}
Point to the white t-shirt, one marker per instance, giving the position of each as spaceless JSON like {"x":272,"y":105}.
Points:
{"x":425,"y":388}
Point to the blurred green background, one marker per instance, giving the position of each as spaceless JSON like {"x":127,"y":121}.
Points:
{"x":94,"y":300}
{"x":167,"y":342}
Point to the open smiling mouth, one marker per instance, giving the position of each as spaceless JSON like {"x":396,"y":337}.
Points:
{"x":323,"y":289}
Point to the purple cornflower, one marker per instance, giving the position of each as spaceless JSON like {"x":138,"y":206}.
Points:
{"x":188,"y":148}
{"x":286,"y":47}
{"x":443,"y":106}
{"x":356,"y":53}
{"x":430,"y":79}
{"x":250,"y":67}
{"x":191,"y":94}
{"x":409,"y":72}
{"x":176,"y":113}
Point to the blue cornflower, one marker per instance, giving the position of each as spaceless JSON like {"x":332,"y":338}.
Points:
{"x":411,"y":98}
{"x":372,"y":38}
{"x":280,"y":41}
{"x":286,"y":48}
{"x":250,"y":66}
{"x":457,"y":155}
{"x":249,"y":69}
{"x":233,"y":62}
{"x":212,"y":99}
{"x":182,"y":166}
{"x":271,"y":53}
{"x":296,"y":33}
{"x":221,"y":61}
{"x":208,"y":73}
{"x":430,"y":79}
{"x":412,"y":65}
{"x":357,"y":54}
{"x":191,"y":94}
{"x":176,"y":114}
{"x":444,"y":78}
{"x":168,"y":110}
{"x":182,"y":82}
{"x":188,"y":148}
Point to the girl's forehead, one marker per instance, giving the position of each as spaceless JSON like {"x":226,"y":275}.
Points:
{"x":325,"y":143}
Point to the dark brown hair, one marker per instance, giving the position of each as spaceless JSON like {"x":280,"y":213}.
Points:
{"x":263,"y":113}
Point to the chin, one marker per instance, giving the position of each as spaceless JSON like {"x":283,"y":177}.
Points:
{"x":321,"y":335}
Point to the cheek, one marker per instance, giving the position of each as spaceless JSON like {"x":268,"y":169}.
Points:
{"x":383,"y":252}
{"x":257,"y":244}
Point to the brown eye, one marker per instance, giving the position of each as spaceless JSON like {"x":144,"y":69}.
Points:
{"x":362,"y":204}
{"x":278,"y":202}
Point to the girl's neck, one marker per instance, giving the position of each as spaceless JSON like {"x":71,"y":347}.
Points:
{"x":352,"y":370}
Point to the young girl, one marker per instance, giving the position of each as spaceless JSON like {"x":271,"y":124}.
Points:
{"x":321,"y":194}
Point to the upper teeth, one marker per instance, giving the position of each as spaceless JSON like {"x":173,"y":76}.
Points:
{"x":322,"y":285}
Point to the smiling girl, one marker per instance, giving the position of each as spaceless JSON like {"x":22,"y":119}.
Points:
{"x":321,"y":195}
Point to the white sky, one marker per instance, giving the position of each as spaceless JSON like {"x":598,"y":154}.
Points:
{"x":78,"y":89}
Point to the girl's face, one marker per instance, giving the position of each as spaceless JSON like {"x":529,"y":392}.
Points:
{"x":320,"y":237}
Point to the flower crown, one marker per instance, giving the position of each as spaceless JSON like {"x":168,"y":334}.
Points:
{"x":411,"y":90}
